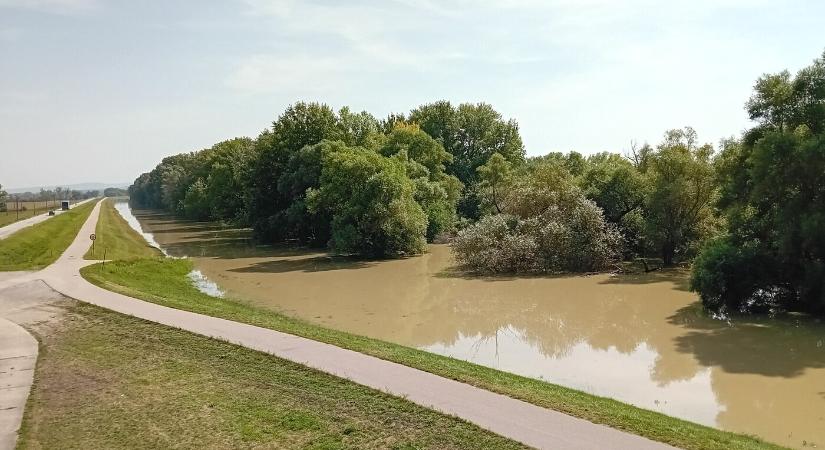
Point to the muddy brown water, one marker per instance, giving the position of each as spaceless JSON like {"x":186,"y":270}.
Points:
{"x":640,"y":339}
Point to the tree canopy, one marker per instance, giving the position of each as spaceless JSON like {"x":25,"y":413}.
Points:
{"x":772,"y":197}
{"x":3,"y":197}
{"x":471,"y":133}
{"x":753,"y":212}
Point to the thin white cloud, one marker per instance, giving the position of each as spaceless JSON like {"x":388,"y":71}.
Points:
{"x":297,"y":75}
{"x":53,"y":6}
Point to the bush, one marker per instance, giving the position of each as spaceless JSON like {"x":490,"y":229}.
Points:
{"x":738,"y":279}
{"x":547,"y":226}
{"x":497,"y":244}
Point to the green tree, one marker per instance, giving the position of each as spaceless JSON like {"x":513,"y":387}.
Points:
{"x":678,"y":209}
{"x":301,"y":177}
{"x":425,"y":160}
{"x":177,"y":173}
{"x":773,"y":200}
{"x":614,"y":184}
{"x":357,"y":129}
{"x":227,"y":180}
{"x":300,"y":125}
{"x":781,"y":103}
{"x":471,"y":133}
{"x":370,"y":199}
{"x":195,"y":204}
{"x":3,"y":198}
{"x":574,"y":162}
{"x":619,"y":189}
{"x":108,"y":192}
{"x":495,"y":178}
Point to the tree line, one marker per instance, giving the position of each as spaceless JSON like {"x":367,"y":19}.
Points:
{"x":750,"y":211}
{"x":341,"y":179}
{"x":44,"y":195}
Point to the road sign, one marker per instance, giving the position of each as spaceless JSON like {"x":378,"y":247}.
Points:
{"x":92,"y":236}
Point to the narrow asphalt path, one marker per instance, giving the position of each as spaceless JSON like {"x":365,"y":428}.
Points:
{"x":18,"y":355}
{"x":12,"y":228}
{"x":515,"y":419}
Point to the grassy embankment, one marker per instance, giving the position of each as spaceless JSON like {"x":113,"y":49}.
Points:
{"x":106,"y":380}
{"x":164,"y":281}
{"x":39,"y":245}
{"x":116,"y":238}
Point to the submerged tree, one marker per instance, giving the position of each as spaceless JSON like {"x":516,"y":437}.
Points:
{"x":300,"y":125}
{"x":547,"y":225}
{"x":678,"y":208}
{"x":619,"y":188}
{"x":773,"y":200}
{"x":370,"y":200}
{"x":425,"y":160}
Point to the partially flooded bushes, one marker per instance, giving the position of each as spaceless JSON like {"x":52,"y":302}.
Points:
{"x":546,"y":226}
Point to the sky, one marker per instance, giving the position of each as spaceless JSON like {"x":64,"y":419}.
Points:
{"x":101,"y":91}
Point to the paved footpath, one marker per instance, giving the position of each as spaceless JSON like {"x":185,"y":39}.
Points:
{"x":515,"y":419}
{"x":12,"y":228}
{"x":18,"y":355}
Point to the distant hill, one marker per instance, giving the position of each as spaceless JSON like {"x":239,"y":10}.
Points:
{"x":76,"y":187}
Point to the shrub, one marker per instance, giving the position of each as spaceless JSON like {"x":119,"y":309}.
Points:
{"x":547,"y":226}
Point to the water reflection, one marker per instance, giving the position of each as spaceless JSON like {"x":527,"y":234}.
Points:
{"x":637,"y":338}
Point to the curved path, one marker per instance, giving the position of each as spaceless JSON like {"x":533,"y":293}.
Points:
{"x":515,"y":419}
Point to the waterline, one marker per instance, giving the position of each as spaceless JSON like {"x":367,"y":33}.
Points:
{"x":198,"y":279}
{"x":204,"y":284}
{"x":125,"y":211}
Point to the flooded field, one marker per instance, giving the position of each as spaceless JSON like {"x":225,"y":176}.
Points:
{"x":636,"y":338}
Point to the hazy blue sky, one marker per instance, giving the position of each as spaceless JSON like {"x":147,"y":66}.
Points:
{"x":95,"y":90}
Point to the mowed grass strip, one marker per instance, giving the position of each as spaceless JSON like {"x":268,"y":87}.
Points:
{"x":106,"y":380}
{"x":164,"y":281}
{"x":39,"y":245}
{"x":116,"y":239}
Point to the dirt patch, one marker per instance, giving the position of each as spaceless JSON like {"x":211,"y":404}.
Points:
{"x":33,"y":304}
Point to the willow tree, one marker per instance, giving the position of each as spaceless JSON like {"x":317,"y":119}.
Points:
{"x":471,"y":133}
{"x":679,"y":206}
{"x":773,"y":200}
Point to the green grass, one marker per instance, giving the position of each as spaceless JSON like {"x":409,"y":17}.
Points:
{"x":39,"y":245}
{"x":106,"y":380}
{"x":9,"y":217}
{"x":31,"y":209}
{"x":116,"y":239}
{"x":164,"y":281}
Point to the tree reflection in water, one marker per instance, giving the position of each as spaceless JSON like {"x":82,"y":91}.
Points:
{"x":640,"y":338}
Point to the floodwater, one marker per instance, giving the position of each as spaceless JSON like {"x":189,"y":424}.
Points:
{"x":640,"y":339}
